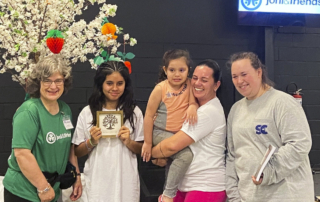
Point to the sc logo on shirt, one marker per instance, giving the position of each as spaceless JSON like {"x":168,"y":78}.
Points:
{"x":261,"y":129}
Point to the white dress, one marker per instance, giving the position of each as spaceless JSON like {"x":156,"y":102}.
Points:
{"x":111,"y":170}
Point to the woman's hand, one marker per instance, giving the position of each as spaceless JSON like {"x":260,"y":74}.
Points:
{"x":96,"y":134}
{"x":146,"y":152}
{"x":77,"y":189}
{"x":124,"y":135}
{"x":132,"y":145}
{"x":160,"y":162}
{"x":47,"y":196}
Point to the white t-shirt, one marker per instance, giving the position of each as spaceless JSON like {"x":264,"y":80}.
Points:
{"x":111,"y":170}
{"x":207,"y":170}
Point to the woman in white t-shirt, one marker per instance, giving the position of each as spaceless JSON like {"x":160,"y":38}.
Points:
{"x":205,"y":178}
{"x":110,"y":172}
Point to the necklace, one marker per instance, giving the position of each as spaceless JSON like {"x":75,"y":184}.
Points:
{"x":169,"y":94}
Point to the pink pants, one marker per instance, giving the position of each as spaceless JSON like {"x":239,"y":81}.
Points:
{"x":194,"y":196}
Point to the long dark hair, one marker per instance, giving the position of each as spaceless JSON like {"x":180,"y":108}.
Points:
{"x":172,"y":55}
{"x":98,"y":99}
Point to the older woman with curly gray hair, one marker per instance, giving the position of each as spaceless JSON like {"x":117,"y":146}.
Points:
{"x":42,"y":132}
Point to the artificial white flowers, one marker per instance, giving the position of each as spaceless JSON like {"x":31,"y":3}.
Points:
{"x":133,"y":41}
{"x":25,"y":23}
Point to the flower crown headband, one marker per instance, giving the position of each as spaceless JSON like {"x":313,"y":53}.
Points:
{"x":126,"y":63}
{"x":109,"y":51}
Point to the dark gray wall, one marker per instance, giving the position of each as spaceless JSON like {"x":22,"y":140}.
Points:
{"x":296,"y":55}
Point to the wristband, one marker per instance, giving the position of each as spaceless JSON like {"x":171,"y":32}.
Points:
{"x":92,"y":143}
{"x":45,"y":190}
{"x":78,"y":174}
{"x":88,"y":148}
{"x":161,"y":151}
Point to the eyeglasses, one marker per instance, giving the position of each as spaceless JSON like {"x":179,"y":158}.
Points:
{"x":48,"y":82}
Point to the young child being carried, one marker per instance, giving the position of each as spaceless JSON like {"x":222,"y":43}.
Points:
{"x":173,"y":103}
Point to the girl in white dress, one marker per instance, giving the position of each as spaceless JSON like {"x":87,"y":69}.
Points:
{"x":111,"y":170}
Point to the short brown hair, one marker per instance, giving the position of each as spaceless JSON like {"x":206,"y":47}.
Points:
{"x":44,"y":69}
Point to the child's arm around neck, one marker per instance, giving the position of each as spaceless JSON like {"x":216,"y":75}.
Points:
{"x":191,"y":114}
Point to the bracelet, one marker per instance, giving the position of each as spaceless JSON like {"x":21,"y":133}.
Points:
{"x":92,"y":143}
{"x":88,"y":148}
{"x":78,"y":174}
{"x":45,"y":190}
{"x":161,"y":151}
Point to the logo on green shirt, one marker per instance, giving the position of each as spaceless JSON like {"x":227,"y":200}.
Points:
{"x":51,"y":138}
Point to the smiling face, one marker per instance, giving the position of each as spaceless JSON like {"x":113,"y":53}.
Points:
{"x":113,"y":87}
{"x":203,"y":85}
{"x":246,"y":79}
{"x":177,"y":72}
{"x":51,"y":91}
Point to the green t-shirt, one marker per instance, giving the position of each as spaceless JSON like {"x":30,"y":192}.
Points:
{"x":45,"y":135}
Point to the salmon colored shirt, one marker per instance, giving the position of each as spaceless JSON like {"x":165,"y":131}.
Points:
{"x":173,"y":106}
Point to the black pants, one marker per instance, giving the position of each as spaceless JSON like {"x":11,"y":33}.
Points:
{"x":10,"y":197}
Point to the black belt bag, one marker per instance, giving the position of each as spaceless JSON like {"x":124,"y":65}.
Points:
{"x":67,"y":179}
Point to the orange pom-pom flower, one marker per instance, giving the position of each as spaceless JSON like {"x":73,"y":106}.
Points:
{"x":109,"y":28}
{"x":128,"y":65}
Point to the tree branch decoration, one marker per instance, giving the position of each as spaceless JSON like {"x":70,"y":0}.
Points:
{"x":25,"y":23}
